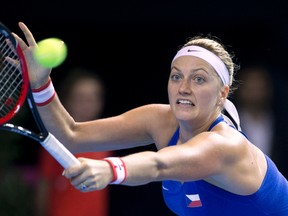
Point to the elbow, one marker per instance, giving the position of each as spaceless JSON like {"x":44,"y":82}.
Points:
{"x":69,"y":137}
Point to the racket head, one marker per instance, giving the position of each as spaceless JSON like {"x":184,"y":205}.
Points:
{"x":14,"y":81}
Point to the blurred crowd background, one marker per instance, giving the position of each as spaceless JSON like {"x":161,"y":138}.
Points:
{"x":131,"y":45}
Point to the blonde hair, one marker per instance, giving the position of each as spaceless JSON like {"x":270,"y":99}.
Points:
{"x":218,"y":49}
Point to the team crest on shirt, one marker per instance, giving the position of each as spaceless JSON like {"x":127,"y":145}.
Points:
{"x":193,"y":200}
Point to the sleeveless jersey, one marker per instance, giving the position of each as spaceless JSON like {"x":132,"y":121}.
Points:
{"x":200,"y":198}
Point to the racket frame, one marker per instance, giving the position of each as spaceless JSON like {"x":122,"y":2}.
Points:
{"x":45,"y":138}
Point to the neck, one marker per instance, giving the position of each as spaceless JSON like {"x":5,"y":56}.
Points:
{"x":197,"y":126}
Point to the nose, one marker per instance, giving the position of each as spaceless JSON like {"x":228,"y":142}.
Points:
{"x":185,"y":87}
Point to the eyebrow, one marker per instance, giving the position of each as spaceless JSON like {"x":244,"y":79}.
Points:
{"x":193,"y":70}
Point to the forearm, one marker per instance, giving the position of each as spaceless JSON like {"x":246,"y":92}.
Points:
{"x":58,"y":122}
{"x":142,"y":168}
{"x":136,"y":169}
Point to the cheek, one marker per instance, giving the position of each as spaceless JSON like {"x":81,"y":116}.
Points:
{"x":169,"y":90}
{"x":170,"y":96}
{"x":207,"y":98}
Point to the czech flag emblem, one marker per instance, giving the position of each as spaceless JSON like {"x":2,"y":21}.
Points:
{"x":193,"y":201}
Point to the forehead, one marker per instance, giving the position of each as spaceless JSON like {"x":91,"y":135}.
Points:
{"x":192,"y":63}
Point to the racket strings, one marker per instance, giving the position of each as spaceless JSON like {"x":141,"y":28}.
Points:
{"x":11,"y":79}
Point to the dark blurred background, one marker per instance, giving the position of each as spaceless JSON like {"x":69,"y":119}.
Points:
{"x":131,"y":44}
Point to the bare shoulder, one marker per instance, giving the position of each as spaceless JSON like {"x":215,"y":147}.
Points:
{"x":156,"y":113}
{"x":243,"y":164}
{"x":160,"y":122}
{"x":234,"y":145}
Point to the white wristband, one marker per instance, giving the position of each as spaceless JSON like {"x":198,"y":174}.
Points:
{"x":44,"y":95}
{"x":118,"y":168}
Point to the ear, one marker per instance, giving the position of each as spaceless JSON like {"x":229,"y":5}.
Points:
{"x":223,"y":94}
{"x":225,"y":91}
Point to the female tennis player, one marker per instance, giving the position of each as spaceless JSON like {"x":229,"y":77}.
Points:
{"x":206,"y":164}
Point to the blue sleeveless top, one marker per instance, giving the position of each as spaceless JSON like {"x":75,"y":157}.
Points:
{"x":200,"y":198}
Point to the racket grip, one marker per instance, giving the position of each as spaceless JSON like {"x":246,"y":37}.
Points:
{"x":59,"y":151}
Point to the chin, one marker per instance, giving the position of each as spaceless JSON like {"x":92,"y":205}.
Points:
{"x":185,"y":116}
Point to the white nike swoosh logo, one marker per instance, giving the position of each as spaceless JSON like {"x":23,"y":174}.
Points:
{"x":164,"y":188}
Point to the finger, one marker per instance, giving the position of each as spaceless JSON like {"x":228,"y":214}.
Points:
{"x":84,"y":186}
{"x":13,"y":62}
{"x":73,"y":171}
{"x":28,"y":35}
{"x":22,"y":43}
{"x":70,"y":173}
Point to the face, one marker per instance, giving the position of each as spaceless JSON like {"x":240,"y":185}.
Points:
{"x":85,"y":101}
{"x":194,"y":89}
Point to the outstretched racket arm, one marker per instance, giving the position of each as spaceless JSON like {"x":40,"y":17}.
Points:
{"x":14,"y":90}
{"x":49,"y":141}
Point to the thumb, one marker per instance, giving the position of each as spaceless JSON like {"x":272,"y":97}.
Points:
{"x":73,"y":171}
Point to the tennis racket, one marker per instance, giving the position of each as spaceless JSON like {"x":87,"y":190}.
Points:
{"x":15,"y":91}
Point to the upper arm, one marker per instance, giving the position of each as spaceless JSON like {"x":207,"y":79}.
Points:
{"x":201,"y":157}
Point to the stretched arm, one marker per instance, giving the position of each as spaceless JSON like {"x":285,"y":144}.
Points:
{"x":133,"y":128}
{"x":199,"y":158}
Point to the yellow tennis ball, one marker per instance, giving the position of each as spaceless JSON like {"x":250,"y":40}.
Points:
{"x":50,"y":52}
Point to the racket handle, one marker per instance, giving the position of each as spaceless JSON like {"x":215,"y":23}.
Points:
{"x":59,"y":151}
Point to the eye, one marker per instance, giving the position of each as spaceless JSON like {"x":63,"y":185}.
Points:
{"x":175,"y":77}
{"x":199,"y":79}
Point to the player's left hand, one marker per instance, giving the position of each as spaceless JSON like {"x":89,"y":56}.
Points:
{"x":38,"y":75}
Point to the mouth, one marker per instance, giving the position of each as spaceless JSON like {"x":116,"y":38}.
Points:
{"x":185,"y":102}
